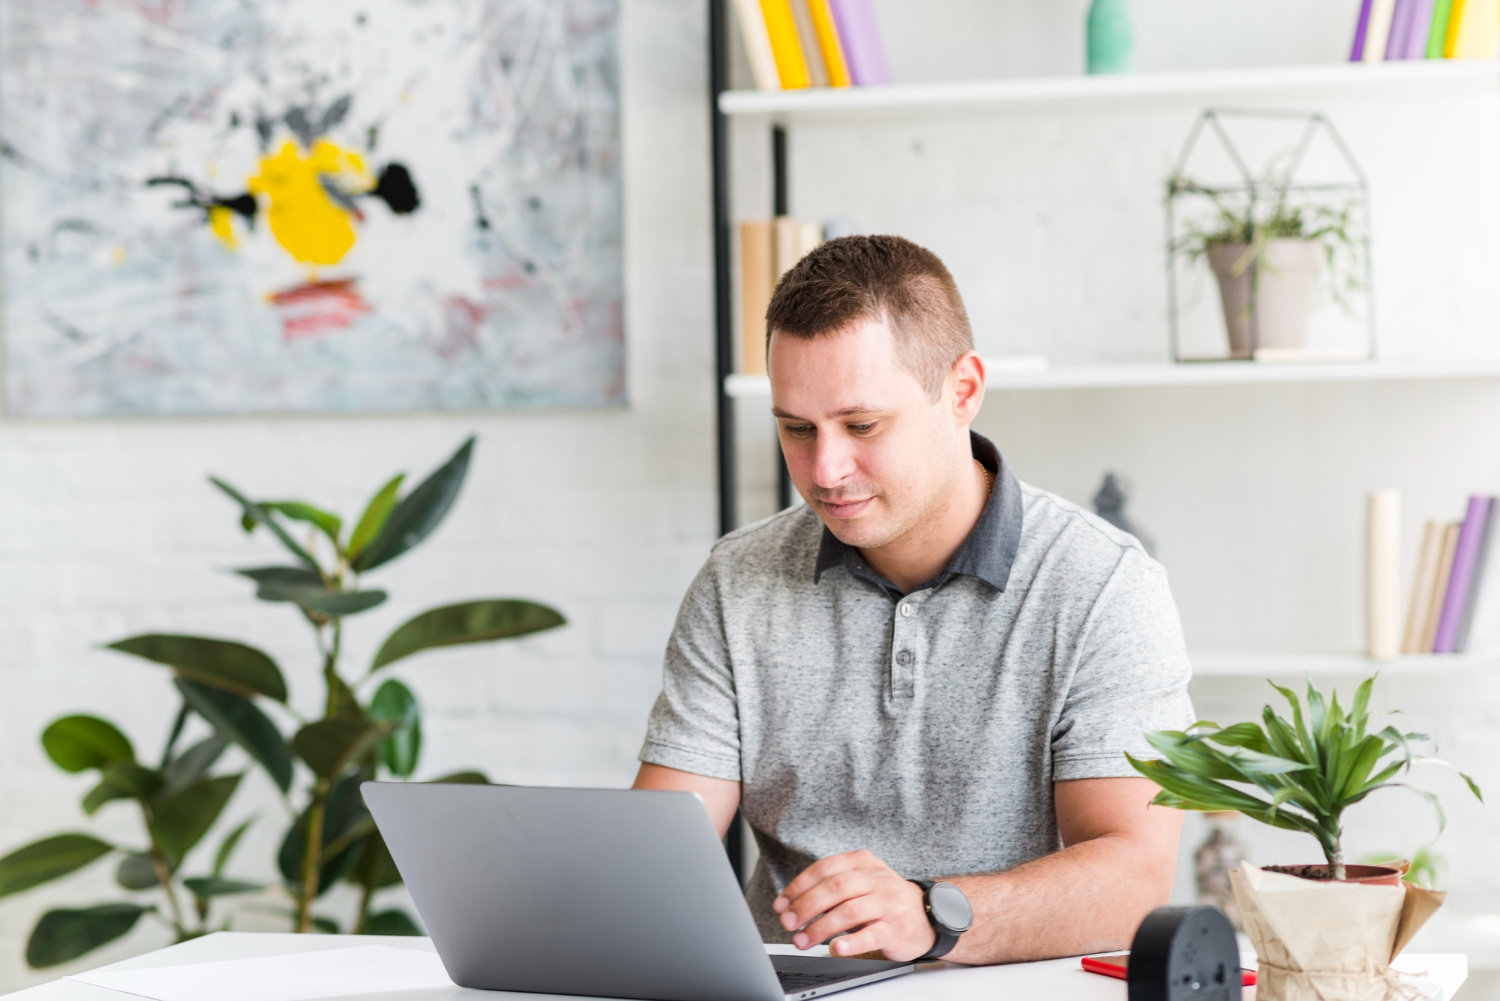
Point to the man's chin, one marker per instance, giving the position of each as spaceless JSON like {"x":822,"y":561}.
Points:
{"x":861,"y":533}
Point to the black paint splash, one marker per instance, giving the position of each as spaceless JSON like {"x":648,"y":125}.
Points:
{"x":243,"y":204}
{"x":396,"y":188}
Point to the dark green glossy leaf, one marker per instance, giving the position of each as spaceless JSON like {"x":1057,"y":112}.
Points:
{"x":206,"y":887}
{"x":321,"y":600}
{"x":192,"y":764}
{"x":184,"y":817}
{"x":241,"y":721}
{"x":48,"y":859}
{"x":62,"y":935}
{"x":464,"y":778}
{"x":375,"y":869}
{"x":291,"y":576}
{"x":469,"y":622}
{"x":227,"y":846}
{"x":331,"y":745}
{"x":255,"y":514}
{"x":78,"y":743}
{"x":330,"y":525}
{"x":391,"y":922}
{"x":418,"y":513}
{"x":395,"y":704}
{"x":122,"y":780}
{"x":224,"y":664}
{"x":326,"y":925}
{"x":135,"y":872}
{"x":375,"y":516}
{"x":344,"y":813}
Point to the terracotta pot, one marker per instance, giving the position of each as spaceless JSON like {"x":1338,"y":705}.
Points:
{"x":1366,"y":875}
{"x":1283,"y":275}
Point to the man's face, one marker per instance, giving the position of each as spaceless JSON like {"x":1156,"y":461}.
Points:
{"x":866,"y":448}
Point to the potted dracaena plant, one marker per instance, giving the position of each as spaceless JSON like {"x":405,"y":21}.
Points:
{"x":231,"y":694}
{"x":1299,"y":774}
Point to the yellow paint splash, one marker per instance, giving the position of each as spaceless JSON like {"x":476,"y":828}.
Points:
{"x":219,"y":219}
{"x":312,"y":227}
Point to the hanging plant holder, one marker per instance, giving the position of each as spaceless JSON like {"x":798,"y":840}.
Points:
{"x":1268,"y":254}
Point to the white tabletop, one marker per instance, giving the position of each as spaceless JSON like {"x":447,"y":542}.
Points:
{"x":1053,"y":980}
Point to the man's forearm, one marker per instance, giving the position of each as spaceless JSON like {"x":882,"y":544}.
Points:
{"x":1086,"y":898}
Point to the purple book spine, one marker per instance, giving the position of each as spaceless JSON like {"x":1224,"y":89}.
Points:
{"x":1360,"y":30}
{"x":1464,"y":557}
{"x":860,"y":35}
{"x":1395,"y":43}
{"x":1421,"y":27}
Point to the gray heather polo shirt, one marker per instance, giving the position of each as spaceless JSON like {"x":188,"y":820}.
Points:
{"x":927,"y":728}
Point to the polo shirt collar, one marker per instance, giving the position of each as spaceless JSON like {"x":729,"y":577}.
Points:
{"x":987,"y":554}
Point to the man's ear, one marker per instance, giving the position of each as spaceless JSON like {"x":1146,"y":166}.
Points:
{"x":967,"y":380}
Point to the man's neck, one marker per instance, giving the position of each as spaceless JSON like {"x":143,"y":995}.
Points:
{"x":921,"y":554}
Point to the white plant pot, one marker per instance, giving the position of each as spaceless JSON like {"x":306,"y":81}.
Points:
{"x":1283,"y":277}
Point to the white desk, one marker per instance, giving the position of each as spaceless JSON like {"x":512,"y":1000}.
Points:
{"x":1054,"y":980}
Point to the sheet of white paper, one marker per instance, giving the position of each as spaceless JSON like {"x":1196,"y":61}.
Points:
{"x":365,"y":969}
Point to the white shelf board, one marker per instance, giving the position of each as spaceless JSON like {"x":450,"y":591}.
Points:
{"x":1291,"y":667}
{"x":1415,"y":78}
{"x":1001,"y":376}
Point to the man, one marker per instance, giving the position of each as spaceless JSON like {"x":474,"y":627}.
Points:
{"x":929,"y":672}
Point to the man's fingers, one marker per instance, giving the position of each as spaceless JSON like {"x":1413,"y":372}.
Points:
{"x":849,"y":915}
{"x":813,"y":875}
{"x":825,"y":896}
{"x":867,"y":939}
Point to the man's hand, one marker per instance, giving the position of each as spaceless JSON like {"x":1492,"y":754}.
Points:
{"x":856,"y":893}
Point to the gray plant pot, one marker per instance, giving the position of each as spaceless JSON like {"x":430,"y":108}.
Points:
{"x":1284,"y":276}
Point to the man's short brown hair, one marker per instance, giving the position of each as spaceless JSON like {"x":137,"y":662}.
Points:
{"x":882,"y":278}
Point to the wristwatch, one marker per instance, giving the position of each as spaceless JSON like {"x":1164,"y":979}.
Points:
{"x":948,"y":912}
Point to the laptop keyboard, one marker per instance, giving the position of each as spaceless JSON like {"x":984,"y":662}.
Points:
{"x":801,"y":980}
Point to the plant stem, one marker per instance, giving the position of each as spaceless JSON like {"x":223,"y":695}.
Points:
{"x":366,"y":894}
{"x":331,"y":670}
{"x":163,"y":874}
{"x":1336,"y":863}
{"x":312,"y":858}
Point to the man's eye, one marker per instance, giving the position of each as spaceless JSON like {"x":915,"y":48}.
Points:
{"x":798,"y":430}
{"x":861,"y":428}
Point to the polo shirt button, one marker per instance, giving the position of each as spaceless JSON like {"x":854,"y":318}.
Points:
{"x":903,"y":658}
{"x":906,"y":608}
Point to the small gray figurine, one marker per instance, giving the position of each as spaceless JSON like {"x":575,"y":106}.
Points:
{"x":1109,"y":504}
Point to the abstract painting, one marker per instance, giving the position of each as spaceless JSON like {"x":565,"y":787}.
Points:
{"x":272,"y":206}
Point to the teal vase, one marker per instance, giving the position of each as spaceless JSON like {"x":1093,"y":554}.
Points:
{"x":1111,"y":37}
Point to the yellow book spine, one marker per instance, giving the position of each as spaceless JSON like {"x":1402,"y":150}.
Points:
{"x":1480,"y":30}
{"x":1455,"y":18}
{"x":782,"y":28}
{"x":828,"y":41}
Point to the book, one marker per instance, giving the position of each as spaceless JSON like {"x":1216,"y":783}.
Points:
{"x":860,"y":34}
{"x":1419,"y":606}
{"x":752,"y":25}
{"x":1382,"y":575}
{"x":828,"y":43}
{"x":1450,"y":40}
{"x":1361,"y":30}
{"x":1464,"y":558}
{"x":1379,"y":31}
{"x":1440,"y":585}
{"x":1478,"y":30}
{"x":787,"y":243}
{"x":1395,"y":46}
{"x":781,"y":26}
{"x":1477,"y":581}
{"x":756,"y":285}
{"x":807,"y":40}
{"x":1420,"y":30}
{"x":1481,"y":633}
{"x":1437,"y":32}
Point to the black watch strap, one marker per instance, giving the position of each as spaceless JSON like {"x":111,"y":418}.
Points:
{"x":946,"y":938}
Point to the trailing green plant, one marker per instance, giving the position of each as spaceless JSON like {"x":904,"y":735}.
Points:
{"x":238,"y":696}
{"x":1298,"y":775}
{"x":1240,"y":218}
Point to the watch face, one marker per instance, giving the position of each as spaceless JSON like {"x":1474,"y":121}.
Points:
{"x":950,"y":907}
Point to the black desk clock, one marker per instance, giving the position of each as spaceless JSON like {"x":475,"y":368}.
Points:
{"x":1184,"y":954}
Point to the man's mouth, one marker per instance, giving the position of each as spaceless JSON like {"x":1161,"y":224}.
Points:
{"x":846,"y":509}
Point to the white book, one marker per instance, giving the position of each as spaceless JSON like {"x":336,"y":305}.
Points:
{"x":1378,"y":31}
{"x":757,"y":40}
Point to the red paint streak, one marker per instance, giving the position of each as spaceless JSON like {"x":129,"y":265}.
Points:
{"x":319,"y":307}
{"x":462,"y":318}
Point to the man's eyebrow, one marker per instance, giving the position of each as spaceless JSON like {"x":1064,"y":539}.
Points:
{"x":856,"y":411}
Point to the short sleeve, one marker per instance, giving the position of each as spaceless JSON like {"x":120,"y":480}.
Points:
{"x":1131,"y":675}
{"x":694,"y":725}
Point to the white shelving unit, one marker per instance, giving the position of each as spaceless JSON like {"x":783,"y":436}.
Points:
{"x":1002,"y":376}
{"x":1290,"y":668}
{"x":1416,"y":78}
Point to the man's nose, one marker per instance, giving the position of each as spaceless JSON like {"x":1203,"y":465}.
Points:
{"x":833,"y":460}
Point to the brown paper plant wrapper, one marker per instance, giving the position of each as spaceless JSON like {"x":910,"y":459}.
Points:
{"x":1327,"y":941}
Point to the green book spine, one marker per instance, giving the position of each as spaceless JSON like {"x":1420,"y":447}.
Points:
{"x":1439,"y":31}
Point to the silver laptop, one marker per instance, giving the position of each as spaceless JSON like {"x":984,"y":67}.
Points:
{"x":602,"y":892}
